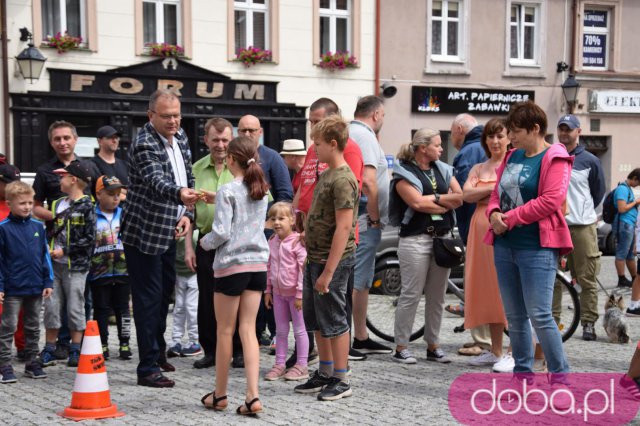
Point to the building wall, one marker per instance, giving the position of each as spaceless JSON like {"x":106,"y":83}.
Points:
{"x":300,"y":81}
{"x":404,"y":63}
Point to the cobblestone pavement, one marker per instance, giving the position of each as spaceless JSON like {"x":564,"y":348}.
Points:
{"x":384,"y":392}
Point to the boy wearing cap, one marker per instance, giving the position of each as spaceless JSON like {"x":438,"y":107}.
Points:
{"x":71,"y":246}
{"x":25,"y":278}
{"x":108,"y":275}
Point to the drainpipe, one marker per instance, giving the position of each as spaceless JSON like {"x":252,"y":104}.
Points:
{"x":376,"y":82}
{"x":5,"y":82}
{"x":574,"y":29}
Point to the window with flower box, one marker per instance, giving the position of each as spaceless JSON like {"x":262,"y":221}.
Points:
{"x":74,"y":17}
{"x":163,"y":23}
{"x":253,"y":24}
{"x":336,"y":27}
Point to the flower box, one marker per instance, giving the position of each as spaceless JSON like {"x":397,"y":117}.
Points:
{"x":253,"y":55}
{"x":337,"y":61}
{"x":164,"y":50}
{"x":64,"y":42}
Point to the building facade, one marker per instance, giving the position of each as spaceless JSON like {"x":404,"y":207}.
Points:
{"x":107,"y":76}
{"x":478,"y":56}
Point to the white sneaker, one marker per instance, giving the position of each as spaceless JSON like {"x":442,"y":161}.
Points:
{"x":505,"y":364}
{"x":485,"y":358}
{"x":405,"y":357}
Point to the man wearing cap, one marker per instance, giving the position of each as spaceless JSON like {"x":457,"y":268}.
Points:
{"x":293,"y":153}
{"x":63,"y":138}
{"x":156,"y":213}
{"x":106,"y":161}
{"x":586,"y":189}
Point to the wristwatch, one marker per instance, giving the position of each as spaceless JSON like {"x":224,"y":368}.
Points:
{"x":372,"y":222}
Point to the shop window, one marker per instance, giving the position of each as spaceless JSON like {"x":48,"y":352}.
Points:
{"x":595,"y":38}
{"x":75,"y":17}
{"x":253,"y":23}
{"x":336,"y":27}
{"x":163,"y":21}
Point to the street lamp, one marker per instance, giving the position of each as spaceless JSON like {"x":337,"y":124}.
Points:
{"x":30,"y":60}
{"x":570,"y":91}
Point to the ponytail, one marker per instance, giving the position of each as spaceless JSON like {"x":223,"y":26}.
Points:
{"x":244,"y":152}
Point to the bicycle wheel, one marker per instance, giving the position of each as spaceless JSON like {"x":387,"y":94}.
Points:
{"x":383,"y":299}
{"x":566,"y":306}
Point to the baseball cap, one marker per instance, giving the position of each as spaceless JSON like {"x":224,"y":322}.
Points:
{"x":107,"y":132}
{"x":9,"y":173}
{"x":108,"y":183}
{"x":77,"y":169}
{"x":570,"y":120}
{"x":293,"y":147}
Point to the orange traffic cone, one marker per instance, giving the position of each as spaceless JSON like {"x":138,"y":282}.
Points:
{"x":91,"y":398}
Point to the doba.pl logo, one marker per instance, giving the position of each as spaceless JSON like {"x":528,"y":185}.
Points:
{"x":582,"y":398}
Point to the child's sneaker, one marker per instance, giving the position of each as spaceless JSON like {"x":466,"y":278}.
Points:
{"x":315,"y":383}
{"x":8,"y":376}
{"x":297,"y":372}
{"x":61,"y":352}
{"x":125,"y":352}
{"x":336,"y":389}
{"x":34,"y":370}
{"x":276,"y":372}
{"x":47,"y":358}
{"x":105,"y":352}
{"x":74,"y":358}
{"x":174,"y":350}
{"x":192,"y":350}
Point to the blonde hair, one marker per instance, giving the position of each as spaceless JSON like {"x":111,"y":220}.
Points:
{"x":423,"y":136}
{"x":281,"y":207}
{"x":332,"y":128}
{"x":16,"y":188}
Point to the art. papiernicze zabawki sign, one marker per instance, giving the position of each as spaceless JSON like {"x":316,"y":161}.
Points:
{"x":456,"y":100}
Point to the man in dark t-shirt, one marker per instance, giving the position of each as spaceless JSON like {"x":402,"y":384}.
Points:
{"x":105,"y":159}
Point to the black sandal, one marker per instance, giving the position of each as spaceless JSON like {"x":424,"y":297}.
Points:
{"x":249,"y":411}
{"x":214,"y":406}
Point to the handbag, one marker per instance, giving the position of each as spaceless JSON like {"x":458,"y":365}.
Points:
{"x":448,"y":251}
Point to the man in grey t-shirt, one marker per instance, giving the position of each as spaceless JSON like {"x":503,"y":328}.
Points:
{"x":373,"y":214}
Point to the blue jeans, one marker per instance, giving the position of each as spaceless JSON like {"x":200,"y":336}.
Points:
{"x":526,"y":279}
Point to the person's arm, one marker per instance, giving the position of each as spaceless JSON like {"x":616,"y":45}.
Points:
{"x":453,"y":199}
{"x":46,"y":266}
{"x":296,"y":198}
{"x":280,"y":181}
{"x":623,"y":205}
{"x":301,"y":257}
{"x":417,"y":201}
{"x":553,"y":195}
{"x":344,"y":223}
{"x":470,"y":192}
{"x":189,"y":252}
{"x":221,"y":229}
{"x":41,"y":212}
{"x":596,"y":183}
{"x":370,"y":190}
{"x":39,"y":187}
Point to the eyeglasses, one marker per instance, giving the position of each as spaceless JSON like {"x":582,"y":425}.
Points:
{"x":251,"y":131}
{"x":168,"y":117}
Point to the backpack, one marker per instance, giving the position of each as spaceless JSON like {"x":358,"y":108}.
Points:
{"x":609,"y":207}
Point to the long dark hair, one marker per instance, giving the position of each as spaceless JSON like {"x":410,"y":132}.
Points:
{"x":244,"y":152}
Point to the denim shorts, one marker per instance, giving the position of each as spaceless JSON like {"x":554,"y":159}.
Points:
{"x":625,"y":245}
{"x":366,"y":255}
{"x":327,"y":313}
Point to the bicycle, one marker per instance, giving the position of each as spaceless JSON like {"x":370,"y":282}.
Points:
{"x":386,"y":287}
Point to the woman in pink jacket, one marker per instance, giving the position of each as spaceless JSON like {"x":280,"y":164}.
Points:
{"x":528,"y":232}
{"x":284,"y":292}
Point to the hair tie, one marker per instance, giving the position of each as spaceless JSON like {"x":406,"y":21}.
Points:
{"x":250,"y":160}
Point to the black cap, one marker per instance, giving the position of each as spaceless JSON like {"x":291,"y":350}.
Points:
{"x":9,"y":173}
{"x":107,"y":132}
{"x":77,"y":169}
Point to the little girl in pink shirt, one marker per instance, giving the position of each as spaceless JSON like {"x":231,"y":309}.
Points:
{"x":284,"y":292}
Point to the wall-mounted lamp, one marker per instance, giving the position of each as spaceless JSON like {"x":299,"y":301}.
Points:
{"x":388,"y":90}
{"x":561,"y":66}
{"x":30,"y":60}
{"x":570,"y":89}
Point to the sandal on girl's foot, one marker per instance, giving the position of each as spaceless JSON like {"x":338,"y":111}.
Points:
{"x":215,"y":404}
{"x":245,"y":410}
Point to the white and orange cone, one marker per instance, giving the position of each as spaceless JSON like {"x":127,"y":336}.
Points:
{"x":91,"y":398}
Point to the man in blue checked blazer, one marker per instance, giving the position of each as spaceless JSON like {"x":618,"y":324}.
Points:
{"x":158,"y":210}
